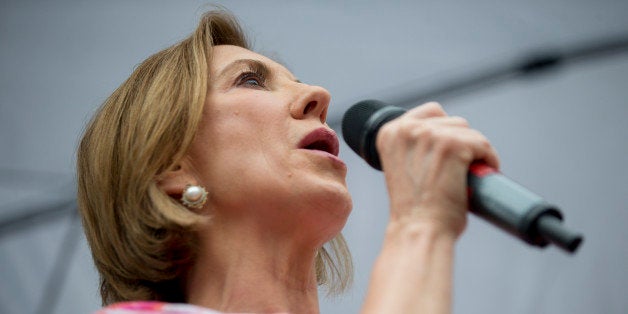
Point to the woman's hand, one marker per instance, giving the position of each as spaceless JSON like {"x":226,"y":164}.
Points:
{"x":425,"y":156}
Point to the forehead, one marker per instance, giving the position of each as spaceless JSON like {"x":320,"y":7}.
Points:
{"x":224,"y":55}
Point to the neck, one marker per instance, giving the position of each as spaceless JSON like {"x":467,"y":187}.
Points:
{"x":244,"y":268}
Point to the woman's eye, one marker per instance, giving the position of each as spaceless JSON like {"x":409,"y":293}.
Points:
{"x":251,"y":79}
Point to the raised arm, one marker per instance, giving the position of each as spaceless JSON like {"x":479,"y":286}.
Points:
{"x":425,"y":156}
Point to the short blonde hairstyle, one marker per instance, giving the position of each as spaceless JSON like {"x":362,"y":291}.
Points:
{"x":142,"y":241}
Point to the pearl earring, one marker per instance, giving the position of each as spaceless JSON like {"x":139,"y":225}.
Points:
{"x":194,"y":196}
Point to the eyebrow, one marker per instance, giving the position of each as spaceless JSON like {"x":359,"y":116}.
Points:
{"x":254,"y":65}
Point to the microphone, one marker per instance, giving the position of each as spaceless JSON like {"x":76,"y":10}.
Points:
{"x":492,"y":195}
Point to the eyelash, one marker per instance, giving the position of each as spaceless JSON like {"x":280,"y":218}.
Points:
{"x":252,"y":74}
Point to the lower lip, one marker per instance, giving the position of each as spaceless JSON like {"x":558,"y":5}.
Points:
{"x":337,"y":161}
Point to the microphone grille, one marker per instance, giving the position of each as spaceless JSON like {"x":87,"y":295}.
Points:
{"x":354,"y":126}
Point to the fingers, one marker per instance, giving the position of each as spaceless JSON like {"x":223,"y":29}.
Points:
{"x":449,"y":135}
{"x":451,"y":132}
{"x":427,"y":110}
{"x":468,"y":144}
{"x":425,"y":156}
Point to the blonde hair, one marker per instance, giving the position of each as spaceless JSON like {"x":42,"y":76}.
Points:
{"x":142,"y":241}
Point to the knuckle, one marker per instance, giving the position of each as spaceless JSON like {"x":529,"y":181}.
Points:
{"x":388,"y":131}
{"x":460,"y":121}
{"x":452,"y":146}
{"x":435,"y":108}
{"x":404,"y":128}
{"x":482,"y":141}
{"x":466,"y":155}
{"x":387,"y":135}
{"x":485,"y":144}
{"x":408,"y":128}
{"x":423,"y":133}
{"x":446,"y":144}
{"x":429,"y":109}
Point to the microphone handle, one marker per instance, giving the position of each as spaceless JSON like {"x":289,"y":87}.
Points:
{"x":492,"y":196}
{"x":517,"y":210}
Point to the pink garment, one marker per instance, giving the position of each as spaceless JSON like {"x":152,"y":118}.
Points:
{"x":154,"y":307}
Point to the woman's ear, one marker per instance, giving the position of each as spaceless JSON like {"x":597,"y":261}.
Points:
{"x":173,"y":181}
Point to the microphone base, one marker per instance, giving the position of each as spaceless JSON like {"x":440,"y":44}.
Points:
{"x":552,"y":229}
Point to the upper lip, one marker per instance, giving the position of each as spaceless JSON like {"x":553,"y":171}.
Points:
{"x":323,"y":139}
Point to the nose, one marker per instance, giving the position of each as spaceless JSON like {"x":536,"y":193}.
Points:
{"x":312,"y":102}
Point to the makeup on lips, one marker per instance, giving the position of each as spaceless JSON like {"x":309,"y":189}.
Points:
{"x":322,"y":141}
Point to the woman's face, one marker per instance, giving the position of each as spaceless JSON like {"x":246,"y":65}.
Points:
{"x":263,"y":148}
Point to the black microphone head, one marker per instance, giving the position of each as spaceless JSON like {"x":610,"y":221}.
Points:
{"x":354,"y":120}
{"x":360,"y":125}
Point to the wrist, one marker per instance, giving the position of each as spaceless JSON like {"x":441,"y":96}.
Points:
{"x":427,"y":224}
{"x":426,"y":230}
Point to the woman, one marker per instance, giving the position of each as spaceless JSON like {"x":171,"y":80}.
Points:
{"x":210,"y":178}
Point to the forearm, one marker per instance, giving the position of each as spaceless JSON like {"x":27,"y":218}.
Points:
{"x":413,"y":273}
{"x":425,"y":155}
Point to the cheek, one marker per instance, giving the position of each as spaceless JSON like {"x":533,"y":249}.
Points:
{"x":241,"y":170}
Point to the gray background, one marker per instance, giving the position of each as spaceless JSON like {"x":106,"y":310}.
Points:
{"x":562,"y":134}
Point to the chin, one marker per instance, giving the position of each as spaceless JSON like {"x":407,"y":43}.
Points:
{"x":334,"y":195}
{"x":329,"y":209}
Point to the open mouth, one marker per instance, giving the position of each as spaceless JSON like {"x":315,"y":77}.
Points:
{"x":321,"y":139}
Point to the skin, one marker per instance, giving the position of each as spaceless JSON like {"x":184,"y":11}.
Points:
{"x":272,"y":205}
{"x":425,"y":157}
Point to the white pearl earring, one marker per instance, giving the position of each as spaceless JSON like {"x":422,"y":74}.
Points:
{"x":194,"y":196}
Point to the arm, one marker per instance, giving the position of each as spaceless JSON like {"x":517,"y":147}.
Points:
{"x":413,"y":273}
{"x":425,"y":156}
